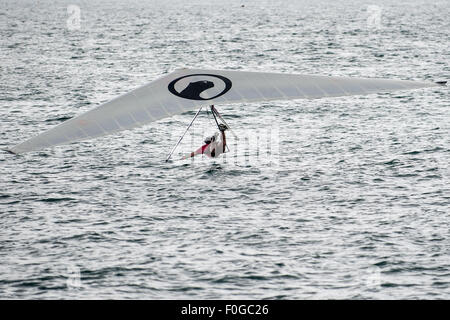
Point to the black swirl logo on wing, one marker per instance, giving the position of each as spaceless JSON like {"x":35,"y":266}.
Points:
{"x":194,"y":89}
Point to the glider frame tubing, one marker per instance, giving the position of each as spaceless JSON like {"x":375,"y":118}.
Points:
{"x":182,"y":136}
{"x":216,"y":115}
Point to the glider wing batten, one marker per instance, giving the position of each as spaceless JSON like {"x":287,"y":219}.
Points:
{"x":186,"y":89}
{"x":269,"y":89}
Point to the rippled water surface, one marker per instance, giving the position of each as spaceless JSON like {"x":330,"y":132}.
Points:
{"x":354,"y":205}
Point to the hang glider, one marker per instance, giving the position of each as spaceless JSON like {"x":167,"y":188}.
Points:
{"x":187,"y":89}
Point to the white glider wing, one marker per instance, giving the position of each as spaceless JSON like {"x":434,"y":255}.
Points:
{"x":186,"y":89}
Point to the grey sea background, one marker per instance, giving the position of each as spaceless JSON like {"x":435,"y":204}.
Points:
{"x":351,"y":202}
